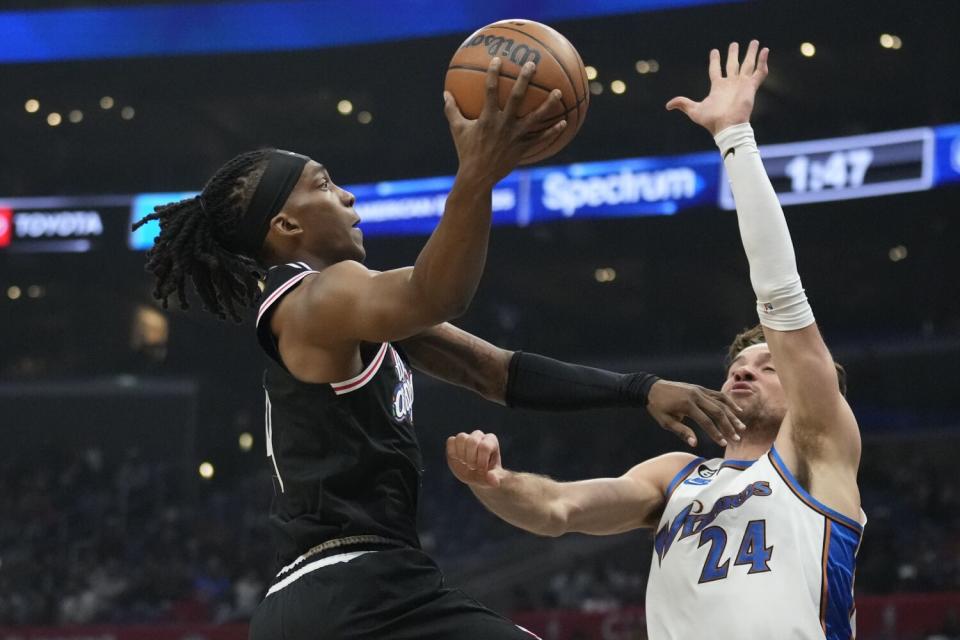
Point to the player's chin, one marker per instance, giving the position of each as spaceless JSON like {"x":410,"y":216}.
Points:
{"x":745,"y":401}
{"x":355,"y":249}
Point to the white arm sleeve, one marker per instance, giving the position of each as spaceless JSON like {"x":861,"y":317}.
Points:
{"x":781,"y":302}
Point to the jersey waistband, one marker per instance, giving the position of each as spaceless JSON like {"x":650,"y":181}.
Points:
{"x":311,"y":566}
{"x":328,"y":553}
{"x":339,"y":546}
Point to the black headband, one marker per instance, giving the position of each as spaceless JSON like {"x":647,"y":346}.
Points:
{"x":278,"y":180}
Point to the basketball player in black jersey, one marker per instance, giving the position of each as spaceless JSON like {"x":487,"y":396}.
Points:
{"x":342,"y":340}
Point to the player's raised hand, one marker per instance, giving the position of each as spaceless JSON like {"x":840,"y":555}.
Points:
{"x":730,"y":100}
{"x":474,"y":458}
{"x":670,"y":402}
{"x":491,"y":146}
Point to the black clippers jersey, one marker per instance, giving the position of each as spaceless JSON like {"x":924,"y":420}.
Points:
{"x":344,"y":456}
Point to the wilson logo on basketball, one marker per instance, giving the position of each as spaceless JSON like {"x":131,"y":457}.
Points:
{"x":6,"y":226}
{"x":506,"y":47}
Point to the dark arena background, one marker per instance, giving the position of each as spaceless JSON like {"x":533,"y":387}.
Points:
{"x":134,"y":486}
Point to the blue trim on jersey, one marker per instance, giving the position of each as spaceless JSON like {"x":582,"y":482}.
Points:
{"x":683,"y":473}
{"x":737,"y":464}
{"x":841,"y":564}
{"x":809,"y":499}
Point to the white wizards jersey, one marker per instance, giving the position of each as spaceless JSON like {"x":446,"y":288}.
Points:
{"x":742,"y":551}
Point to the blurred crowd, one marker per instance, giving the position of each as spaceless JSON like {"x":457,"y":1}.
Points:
{"x":84,"y":539}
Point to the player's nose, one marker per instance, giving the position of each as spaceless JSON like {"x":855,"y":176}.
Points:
{"x":743,"y":373}
{"x":347,"y":198}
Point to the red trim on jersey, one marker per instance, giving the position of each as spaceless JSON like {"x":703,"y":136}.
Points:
{"x":279,"y":292}
{"x":364,"y":376}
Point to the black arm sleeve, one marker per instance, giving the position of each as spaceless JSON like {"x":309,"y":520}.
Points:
{"x":537,"y":382}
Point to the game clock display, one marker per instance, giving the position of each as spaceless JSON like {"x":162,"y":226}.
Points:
{"x":844,"y":168}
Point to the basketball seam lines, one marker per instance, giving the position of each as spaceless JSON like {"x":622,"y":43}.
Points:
{"x":471,"y":67}
{"x":558,"y":116}
{"x":550,"y":125}
{"x":555,"y":57}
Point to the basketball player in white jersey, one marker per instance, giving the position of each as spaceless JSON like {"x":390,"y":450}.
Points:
{"x":762,"y":542}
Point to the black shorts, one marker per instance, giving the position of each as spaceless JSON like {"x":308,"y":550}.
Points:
{"x":394,"y":594}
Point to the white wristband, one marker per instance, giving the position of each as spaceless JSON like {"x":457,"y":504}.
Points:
{"x":781,"y":302}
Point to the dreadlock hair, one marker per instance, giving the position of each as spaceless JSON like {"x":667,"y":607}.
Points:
{"x":195,"y":234}
{"x":754,"y":335}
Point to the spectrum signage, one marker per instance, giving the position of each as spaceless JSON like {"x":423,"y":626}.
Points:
{"x":802,"y":172}
{"x":632,"y":187}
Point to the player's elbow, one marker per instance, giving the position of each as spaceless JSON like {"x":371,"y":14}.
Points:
{"x":557,"y":520}
{"x":456,"y":306}
{"x":443,"y":307}
{"x":492,"y":373}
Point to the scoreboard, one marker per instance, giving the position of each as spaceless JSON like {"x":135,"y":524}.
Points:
{"x":844,"y":168}
{"x":801,"y":172}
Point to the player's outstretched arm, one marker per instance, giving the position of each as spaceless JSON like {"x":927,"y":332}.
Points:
{"x":529,"y":381}
{"x":348,"y":302}
{"x":819,"y":423}
{"x":543,"y":506}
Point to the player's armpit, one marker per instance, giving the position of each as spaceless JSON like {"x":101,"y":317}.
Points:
{"x":451,"y":354}
{"x":349,"y":303}
{"x":635,"y":500}
{"x":819,"y":420}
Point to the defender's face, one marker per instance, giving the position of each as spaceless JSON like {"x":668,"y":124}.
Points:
{"x":326,"y":215}
{"x":752,"y":382}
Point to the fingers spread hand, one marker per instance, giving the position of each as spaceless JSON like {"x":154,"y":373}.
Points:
{"x":707,"y":424}
{"x":714,"y":71}
{"x":549,"y":134}
{"x":451,"y":110}
{"x":681,"y":430}
{"x":492,"y":84}
{"x":731,"y":408}
{"x":719,"y":415}
{"x":519,"y":89}
{"x":548,"y":109}
{"x":762,"y":69}
{"x":733,"y":60}
{"x":749,"y":60}
{"x":683,"y":104}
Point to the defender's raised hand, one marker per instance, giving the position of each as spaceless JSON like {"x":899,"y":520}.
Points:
{"x":491,"y":146}
{"x":730,"y":100}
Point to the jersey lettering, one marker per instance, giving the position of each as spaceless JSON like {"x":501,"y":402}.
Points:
{"x":403,"y":392}
{"x":712,"y":569}
{"x":753,"y":551}
{"x":691,"y":522}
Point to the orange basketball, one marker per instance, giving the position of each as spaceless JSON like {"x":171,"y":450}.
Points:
{"x":517,"y":41}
